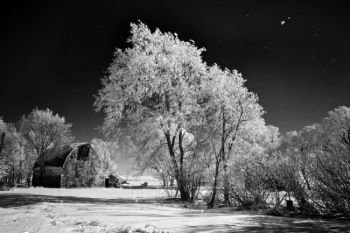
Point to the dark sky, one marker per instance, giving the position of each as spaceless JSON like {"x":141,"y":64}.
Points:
{"x":295,"y":56}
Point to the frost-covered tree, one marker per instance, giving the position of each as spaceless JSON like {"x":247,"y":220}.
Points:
{"x":337,"y":126}
{"x":43,"y":130}
{"x":331,"y":168}
{"x":2,"y":134}
{"x":232,"y":112}
{"x":16,"y":158}
{"x":108,"y":154}
{"x":313,"y":164}
{"x":3,"y":165}
{"x":152,"y":91}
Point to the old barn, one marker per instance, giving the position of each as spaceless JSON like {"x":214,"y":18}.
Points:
{"x":74,"y":165}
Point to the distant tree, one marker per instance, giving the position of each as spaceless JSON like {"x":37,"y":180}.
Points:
{"x":108,"y":153}
{"x":152,"y":91}
{"x":14,"y":156}
{"x":4,"y":168}
{"x":16,"y":152}
{"x":2,"y":125}
{"x":2,"y":134}
{"x":271,"y":137}
{"x":43,"y":130}
{"x":337,"y":126}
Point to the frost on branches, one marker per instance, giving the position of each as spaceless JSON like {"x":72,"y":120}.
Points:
{"x":161,"y":94}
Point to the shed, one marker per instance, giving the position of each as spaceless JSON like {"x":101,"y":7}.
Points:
{"x":114,"y":181}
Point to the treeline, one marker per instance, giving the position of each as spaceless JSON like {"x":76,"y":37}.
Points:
{"x":23,"y":141}
{"x":310,"y":166}
{"x":21,"y":144}
{"x":198,"y":125}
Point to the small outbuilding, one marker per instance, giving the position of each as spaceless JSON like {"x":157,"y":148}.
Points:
{"x":74,"y":165}
{"x":114,"y":181}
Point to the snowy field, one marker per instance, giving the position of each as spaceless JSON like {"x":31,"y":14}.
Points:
{"x":103,"y":193}
{"x":106,"y":210}
{"x":138,"y":180}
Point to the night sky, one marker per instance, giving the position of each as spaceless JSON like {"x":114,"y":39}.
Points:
{"x":295,"y":56}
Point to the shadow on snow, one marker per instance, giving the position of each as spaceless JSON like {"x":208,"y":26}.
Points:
{"x":17,"y":200}
{"x":254,"y":223}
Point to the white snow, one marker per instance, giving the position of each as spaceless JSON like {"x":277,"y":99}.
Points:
{"x":100,"y":209}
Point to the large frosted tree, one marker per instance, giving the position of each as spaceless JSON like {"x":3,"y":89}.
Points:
{"x":152,"y":92}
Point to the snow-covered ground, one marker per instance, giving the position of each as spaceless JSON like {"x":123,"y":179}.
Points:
{"x":138,"y":180}
{"x":104,"y":210}
{"x":103,"y":193}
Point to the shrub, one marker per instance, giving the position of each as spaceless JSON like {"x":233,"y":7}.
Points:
{"x":247,"y":183}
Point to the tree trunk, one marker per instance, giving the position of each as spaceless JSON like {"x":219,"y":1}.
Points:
{"x":184,"y":193}
{"x":42,"y":170}
{"x":42,"y":174}
{"x":181,"y":186}
{"x":13,"y":174}
{"x":224,"y":158}
{"x":213,"y":196}
{"x":226,"y":186}
{"x":19,"y":178}
{"x":28,"y":179}
{"x":165,"y":183}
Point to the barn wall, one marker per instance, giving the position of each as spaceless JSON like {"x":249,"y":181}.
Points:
{"x":51,"y":177}
{"x":36,"y":177}
{"x":81,"y":173}
{"x":75,"y":172}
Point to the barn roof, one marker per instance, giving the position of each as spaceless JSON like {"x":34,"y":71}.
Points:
{"x":56,"y":156}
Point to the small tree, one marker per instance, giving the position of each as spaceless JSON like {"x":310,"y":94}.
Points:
{"x":13,"y":155}
{"x":3,"y":165}
{"x":251,"y":178}
{"x":231,"y":108}
{"x":2,"y":134}
{"x":43,"y":130}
